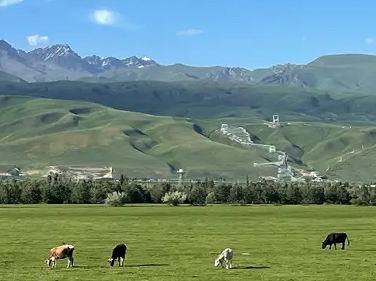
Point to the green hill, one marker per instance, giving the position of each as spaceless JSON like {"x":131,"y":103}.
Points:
{"x":39,"y":132}
{"x":341,"y":152}
{"x":210,"y":100}
{"x":36,"y":132}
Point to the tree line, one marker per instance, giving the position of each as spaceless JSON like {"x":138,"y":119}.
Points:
{"x":54,"y":190}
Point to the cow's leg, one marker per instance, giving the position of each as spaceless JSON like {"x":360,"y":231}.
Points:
{"x":122,"y":261}
{"x":330,"y":246}
{"x":72,"y":260}
{"x":343,"y":245}
{"x":335,"y":246}
{"x":69,"y":262}
{"x":230,"y":262}
{"x":119,"y":260}
{"x":227,"y":263}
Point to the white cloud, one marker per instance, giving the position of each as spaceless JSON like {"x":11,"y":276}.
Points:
{"x":113,"y":18}
{"x":190,"y":31}
{"x":5,"y":3}
{"x":369,"y":40}
{"x":104,"y":17}
{"x":34,"y":40}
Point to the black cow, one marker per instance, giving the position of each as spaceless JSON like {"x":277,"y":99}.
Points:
{"x":336,"y":238}
{"x":118,"y":252}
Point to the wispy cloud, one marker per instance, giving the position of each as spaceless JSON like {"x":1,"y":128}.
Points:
{"x":5,"y":3}
{"x":36,"y":39}
{"x":190,"y":31}
{"x":369,"y":40}
{"x":104,"y":17}
{"x":112,"y":18}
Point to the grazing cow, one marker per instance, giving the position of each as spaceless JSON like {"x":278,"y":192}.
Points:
{"x":336,"y":238}
{"x":225,"y":256}
{"x":61,"y":252}
{"x":118,"y":252}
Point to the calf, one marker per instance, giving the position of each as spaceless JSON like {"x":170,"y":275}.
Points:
{"x":225,"y":256}
{"x":336,"y":238}
{"x":118,"y":252}
{"x":61,"y":252}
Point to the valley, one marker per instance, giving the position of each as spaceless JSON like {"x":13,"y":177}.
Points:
{"x":148,"y":120}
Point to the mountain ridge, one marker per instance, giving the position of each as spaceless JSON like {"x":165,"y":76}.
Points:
{"x":340,"y":72}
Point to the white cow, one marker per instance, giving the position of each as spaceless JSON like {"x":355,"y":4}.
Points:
{"x":225,"y":256}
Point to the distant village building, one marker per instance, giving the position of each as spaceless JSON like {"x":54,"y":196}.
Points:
{"x":82,"y":173}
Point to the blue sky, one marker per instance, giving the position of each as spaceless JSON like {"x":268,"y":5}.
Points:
{"x":245,"y":33}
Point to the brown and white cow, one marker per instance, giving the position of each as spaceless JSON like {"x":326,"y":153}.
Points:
{"x":61,"y":252}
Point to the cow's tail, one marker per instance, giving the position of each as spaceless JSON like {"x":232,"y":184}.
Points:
{"x":348,"y":241}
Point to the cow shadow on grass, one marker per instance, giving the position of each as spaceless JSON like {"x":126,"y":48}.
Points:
{"x":125,"y":265}
{"x":115,"y":266}
{"x":251,"y":267}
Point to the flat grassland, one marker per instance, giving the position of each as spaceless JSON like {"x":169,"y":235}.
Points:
{"x":181,"y":243}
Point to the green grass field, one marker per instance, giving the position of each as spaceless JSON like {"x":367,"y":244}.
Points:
{"x":181,"y":243}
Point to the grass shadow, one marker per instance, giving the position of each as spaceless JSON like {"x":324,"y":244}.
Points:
{"x":251,"y":267}
{"x":145,"y":265}
{"x":365,"y":250}
{"x":90,"y":266}
{"x":116,"y":266}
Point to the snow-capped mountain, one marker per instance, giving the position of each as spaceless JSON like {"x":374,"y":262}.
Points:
{"x":59,"y":61}
{"x":109,"y":62}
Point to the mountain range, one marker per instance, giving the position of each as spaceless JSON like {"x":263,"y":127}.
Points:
{"x":342,"y":72}
{"x":148,"y":120}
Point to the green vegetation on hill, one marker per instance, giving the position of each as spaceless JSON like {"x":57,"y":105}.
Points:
{"x":210,"y":100}
{"x":36,"y":132}
{"x":340,"y":152}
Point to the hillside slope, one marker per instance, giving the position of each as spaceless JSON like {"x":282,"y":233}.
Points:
{"x":39,"y":132}
{"x":4,"y":76}
{"x":340,"y":152}
{"x":210,"y":100}
{"x":36,"y":132}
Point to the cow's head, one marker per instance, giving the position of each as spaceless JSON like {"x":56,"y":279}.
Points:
{"x":323,"y":245}
{"x":49,"y":260}
{"x":217,"y":262}
{"x":111,"y":261}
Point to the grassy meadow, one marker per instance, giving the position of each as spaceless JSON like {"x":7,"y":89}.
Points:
{"x":181,"y":243}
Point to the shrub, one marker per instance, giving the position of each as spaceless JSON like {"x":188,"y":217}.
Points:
{"x":174,"y":198}
{"x":211,"y":199}
{"x":116,"y":199}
